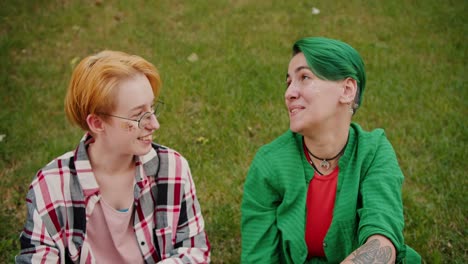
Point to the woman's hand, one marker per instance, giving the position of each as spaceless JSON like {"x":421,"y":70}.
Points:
{"x":377,"y":249}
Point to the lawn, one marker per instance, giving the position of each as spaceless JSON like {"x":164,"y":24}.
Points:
{"x":221,"y":107}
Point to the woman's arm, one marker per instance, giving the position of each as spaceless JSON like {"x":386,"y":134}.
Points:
{"x":377,"y":249}
{"x":192,"y":244}
{"x":260,"y":236}
{"x":36,"y":243}
{"x":381,"y":218}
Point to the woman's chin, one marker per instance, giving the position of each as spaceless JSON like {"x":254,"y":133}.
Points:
{"x":143,"y":151}
{"x":295,"y":128}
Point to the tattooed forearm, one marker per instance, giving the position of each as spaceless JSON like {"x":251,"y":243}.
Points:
{"x":371,"y":252}
{"x":383,"y":255}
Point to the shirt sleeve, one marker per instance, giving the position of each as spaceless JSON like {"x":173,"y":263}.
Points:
{"x":36,"y":243}
{"x":380,"y":190}
{"x":260,"y":236}
{"x":192,"y":245}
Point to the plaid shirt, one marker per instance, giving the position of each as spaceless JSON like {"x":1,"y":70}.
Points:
{"x":168,"y":223}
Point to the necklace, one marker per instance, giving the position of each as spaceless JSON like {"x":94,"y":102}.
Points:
{"x":313,"y":165}
{"x":309,"y":159}
{"x":325,"y":164}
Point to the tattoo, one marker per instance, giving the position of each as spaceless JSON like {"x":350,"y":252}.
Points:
{"x":371,"y":252}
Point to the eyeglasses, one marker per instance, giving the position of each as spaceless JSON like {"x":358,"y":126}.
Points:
{"x":145,"y":118}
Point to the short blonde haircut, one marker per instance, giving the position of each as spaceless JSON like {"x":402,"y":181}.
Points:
{"x":95,"y":79}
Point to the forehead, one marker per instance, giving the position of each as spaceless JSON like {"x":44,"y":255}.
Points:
{"x":133,"y":92}
{"x":296,"y":62}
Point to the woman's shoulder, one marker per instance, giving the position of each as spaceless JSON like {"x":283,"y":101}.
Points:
{"x":279,"y":144}
{"x":166,"y":151}
{"x":55,"y":179}
{"x":365,"y":136}
{"x":281,"y":147}
{"x":166,"y":158}
{"x":163,"y":162}
{"x":370,"y":142}
{"x":59,"y":166}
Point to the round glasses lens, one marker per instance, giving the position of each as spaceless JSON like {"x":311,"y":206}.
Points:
{"x":145,"y":120}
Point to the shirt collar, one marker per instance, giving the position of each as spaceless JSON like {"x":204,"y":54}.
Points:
{"x":146,"y":165}
{"x":83,"y":168}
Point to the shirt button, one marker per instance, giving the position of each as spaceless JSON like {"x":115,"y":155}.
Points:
{"x":142,"y":243}
{"x":324,"y":244}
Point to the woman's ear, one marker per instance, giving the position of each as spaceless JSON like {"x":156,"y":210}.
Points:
{"x":95,"y":123}
{"x":349,"y":90}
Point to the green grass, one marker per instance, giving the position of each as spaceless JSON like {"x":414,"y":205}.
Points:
{"x":223,"y":107}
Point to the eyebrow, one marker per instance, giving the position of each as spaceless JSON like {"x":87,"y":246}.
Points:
{"x":140,"y":106}
{"x":299,"y":69}
{"x":137,"y":107}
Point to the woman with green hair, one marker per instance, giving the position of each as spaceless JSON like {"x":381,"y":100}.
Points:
{"x":326,"y":191}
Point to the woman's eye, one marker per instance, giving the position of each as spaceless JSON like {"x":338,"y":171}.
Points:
{"x":288,"y":82}
{"x":305,"y":77}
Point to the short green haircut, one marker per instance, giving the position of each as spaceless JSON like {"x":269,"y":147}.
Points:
{"x":334,"y":60}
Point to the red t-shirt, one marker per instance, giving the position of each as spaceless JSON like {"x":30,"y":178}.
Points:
{"x":319,"y":210}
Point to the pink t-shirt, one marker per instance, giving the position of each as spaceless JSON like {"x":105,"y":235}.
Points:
{"x":110,"y":235}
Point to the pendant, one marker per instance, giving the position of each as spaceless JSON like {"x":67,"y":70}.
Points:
{"x":325,"y":164}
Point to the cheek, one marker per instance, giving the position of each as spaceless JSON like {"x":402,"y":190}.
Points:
{"x":128,"y":127}
{"x":313,"y":93}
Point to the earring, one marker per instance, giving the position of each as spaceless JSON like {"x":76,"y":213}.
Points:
{"x":350,"y":109}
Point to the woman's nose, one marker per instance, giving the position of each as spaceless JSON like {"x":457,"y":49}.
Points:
{"x":154,"y":123}
{"x":292,"y":92}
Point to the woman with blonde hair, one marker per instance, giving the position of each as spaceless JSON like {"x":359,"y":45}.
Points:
{"x":118,"y":197}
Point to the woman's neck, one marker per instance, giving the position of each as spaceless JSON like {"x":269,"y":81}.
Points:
{"x":105,"y":162}
{"x":327,"y":143}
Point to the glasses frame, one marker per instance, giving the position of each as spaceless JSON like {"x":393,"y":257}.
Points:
{"x":159,"y":104}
